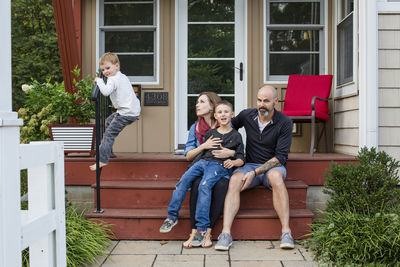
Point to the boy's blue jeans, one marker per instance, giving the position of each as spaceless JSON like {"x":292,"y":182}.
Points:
{"x":210,"y":172}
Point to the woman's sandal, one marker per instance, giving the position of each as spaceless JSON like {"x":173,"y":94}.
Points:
{"x":188,"y":243}
{"x":207,"y":240}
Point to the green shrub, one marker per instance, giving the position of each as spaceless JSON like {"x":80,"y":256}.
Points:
{"x":367,"y":187}
{"x":86,"y":240}
{"x":361,"y":225}
{"x":348,"y":238}
{"x":49,"y":103}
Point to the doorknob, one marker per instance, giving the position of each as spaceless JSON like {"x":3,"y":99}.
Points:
{"x":241,"y":71}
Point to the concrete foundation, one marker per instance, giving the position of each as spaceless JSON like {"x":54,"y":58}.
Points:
{"x":81,"y":196}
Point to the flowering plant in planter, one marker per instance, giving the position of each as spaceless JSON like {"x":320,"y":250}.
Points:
{"x":49,"y":103}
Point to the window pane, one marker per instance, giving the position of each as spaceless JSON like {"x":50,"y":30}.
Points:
{"x":347,"y":7}
{"x":128,"y":14}
{"x":192,"y":108}
{"x":129,"y":41}
{"x":345,"y":51}
{"x":286,"y":64}
{"x":295,"y":13}
{"x":137,"y":65}
{"x":293,"y":40}
{"x":214,"y":76}
{"x":211,"y":10}
{"x":211,"y":41}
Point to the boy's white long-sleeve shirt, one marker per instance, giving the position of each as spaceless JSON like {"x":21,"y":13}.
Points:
{"x":121,"y":93}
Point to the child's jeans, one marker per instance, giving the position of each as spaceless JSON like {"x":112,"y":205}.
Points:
{"x":114,"y":125}
{"x":210,"y":172}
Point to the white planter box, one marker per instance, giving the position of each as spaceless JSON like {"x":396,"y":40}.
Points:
{"x":77,"y":138}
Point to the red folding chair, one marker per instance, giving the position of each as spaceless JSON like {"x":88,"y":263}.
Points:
{"x":306,"y":100}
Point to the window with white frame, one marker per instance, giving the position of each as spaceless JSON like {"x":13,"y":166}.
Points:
{"x":345,"y":42}
{"x":294,"y":38}
{"x":129,"y":29}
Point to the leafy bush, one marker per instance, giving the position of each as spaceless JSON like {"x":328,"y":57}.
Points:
{"x":49,"y":103}
{"x":366,"y":188}
{"x":349,"y":238}
{"x":86,"y":240}
{"x":361,"y":225}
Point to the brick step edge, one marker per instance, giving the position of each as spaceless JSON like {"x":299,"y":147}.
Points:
{"x":248,"y":224}
{"x":184,"y":213}
{"x":158,"y":178}
{"x":169,"y":184}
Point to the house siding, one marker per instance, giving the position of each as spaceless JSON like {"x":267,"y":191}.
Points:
{"x":389,"y":83}
{"x":346,"y":125}
{"x":346,"y":112}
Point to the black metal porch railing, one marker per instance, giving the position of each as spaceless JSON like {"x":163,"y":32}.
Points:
{"x":103,"y":109}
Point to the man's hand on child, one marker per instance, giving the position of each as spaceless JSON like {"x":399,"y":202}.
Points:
{"x":228,"y":164}
{"x":96,"y":79}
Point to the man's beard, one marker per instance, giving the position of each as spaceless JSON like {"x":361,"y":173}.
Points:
{"x":264,"y":114}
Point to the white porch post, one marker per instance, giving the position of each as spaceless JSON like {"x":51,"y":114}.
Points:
{"x":10,"y":215}
{"x":368,"y":74}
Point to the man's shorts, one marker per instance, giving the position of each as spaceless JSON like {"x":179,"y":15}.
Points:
{"x":261,"y":179}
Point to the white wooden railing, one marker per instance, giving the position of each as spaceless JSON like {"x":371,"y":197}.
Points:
{"x":41,"y":228}
{"x":43,"y":224}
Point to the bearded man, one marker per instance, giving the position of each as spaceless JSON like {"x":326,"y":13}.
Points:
{"x":268,"y":140}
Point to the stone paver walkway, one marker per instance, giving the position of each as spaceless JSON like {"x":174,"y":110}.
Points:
{"x":172,"y":254}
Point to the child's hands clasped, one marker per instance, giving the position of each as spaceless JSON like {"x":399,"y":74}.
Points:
{"x":228,"y":164}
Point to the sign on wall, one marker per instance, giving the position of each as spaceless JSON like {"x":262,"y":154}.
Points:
{"x":156,"y":98}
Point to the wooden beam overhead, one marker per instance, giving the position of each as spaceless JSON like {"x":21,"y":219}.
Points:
{"x":67,"y":42}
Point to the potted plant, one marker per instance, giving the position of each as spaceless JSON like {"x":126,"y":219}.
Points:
{"x":51,"y":113}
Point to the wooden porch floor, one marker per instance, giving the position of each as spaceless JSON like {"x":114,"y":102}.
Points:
{"x":170,"y":156}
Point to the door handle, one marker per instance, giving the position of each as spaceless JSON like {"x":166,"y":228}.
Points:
{"x":241,"y":71}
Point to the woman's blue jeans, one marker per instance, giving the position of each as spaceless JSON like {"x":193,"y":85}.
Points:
{"x":210,"y":172}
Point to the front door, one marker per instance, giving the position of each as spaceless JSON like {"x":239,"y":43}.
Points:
{"x":210,"y":56}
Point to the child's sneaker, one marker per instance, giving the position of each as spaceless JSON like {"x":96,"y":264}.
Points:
{"x":199,"y":238}
{"x":167,"y":225}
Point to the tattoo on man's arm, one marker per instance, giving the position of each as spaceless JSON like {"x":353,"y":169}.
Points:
{"x":272,"y":163}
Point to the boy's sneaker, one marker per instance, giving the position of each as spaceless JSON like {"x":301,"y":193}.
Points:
{"x":167,"y":225}
{"x":287,"y":241}
{"x":199,"y":238}
{"x":224,"y":242}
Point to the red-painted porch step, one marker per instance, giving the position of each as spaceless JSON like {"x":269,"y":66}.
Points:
{"x":160,"y":166}
{"x":254,"y":224}
{"x":157,"y":194}
{"x":78,"y":173}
